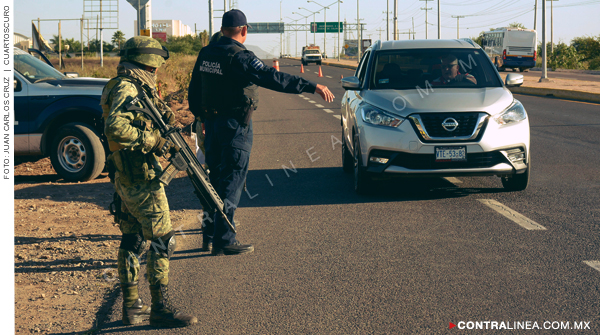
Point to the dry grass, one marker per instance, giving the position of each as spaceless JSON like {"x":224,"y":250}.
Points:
{"x":173,"y":77}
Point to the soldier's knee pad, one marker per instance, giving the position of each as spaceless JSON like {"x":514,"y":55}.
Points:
{"x":133,"y":242}
{"x":165,"y":245}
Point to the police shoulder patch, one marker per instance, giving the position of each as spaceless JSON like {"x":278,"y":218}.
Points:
{"x":257,"y":64}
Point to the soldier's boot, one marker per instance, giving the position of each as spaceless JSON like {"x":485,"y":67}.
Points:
{"x":163,"y":314}
{"x":134,"y":310}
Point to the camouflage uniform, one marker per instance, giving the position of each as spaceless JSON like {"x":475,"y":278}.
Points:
{"x":133,"y":166}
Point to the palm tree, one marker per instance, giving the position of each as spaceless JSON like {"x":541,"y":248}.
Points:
{"x":54,"y":40}
{"x":118,"y":38}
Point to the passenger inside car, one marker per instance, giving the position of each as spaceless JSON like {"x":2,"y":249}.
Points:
{"x":451,"y":73}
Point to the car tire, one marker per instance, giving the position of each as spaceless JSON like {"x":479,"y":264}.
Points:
{"x":76,"y":153}
{"x":347,"y":160}
{"x":318,"y":63}
{"x":517,"y":182}
{"x":362,"y":182}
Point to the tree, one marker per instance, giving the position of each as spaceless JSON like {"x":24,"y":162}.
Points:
{"x":588,"y":47}
{"x":118,"y":38}
{"x":54,"y":40}
{"x":478,"y":39}
{"x":516,"y":25}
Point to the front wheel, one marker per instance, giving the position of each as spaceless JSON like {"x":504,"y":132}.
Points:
{"x":319,"y":63}
{"x":347,"y":161}
{"x":362,"y":182}
{"x":517,"y":182}
{"x":76,"y":153}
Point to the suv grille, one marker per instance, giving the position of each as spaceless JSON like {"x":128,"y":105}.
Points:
{"x":430,"y":126}
{"x":427,"y":162}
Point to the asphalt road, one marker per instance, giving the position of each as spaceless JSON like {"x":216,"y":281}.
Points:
{"x":409,"y":260}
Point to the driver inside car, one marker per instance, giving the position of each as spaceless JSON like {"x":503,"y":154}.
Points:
{"x":451,"y":74}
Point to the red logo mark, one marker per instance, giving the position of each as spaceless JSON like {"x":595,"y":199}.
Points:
{"x":452,"y":325}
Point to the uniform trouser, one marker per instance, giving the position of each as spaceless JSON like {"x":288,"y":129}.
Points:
{"x":146,"y":204}
{"x":227,"y":147}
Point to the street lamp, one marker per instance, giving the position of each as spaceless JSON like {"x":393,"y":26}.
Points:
{"x":325,"y":8}
{"x":305,"y":22}
{"x":314,"y":20}
{"x":296,"y":53}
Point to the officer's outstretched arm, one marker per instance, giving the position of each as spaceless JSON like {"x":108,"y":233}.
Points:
{"x":325,"y":93}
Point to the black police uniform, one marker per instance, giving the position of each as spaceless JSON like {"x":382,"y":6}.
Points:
{"x":223,"y":88}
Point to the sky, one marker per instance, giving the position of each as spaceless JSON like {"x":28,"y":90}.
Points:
{"x":572,"y":18}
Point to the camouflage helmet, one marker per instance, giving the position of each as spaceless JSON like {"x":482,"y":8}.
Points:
{"x":144,"y":50}
{"x":215,"y":37}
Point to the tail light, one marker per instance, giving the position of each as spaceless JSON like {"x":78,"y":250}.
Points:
{"x":504,"y":54}
{"x":535,"y":55}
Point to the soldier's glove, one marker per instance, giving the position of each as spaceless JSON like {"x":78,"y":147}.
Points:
{"x":162,"y":146}
{"x":169,"y":118}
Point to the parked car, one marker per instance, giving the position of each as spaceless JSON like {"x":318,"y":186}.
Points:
{"x":59,"y":117}
{"x":433,"y":108}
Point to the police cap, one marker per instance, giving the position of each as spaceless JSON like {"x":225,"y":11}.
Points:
{"x":234,"y":18}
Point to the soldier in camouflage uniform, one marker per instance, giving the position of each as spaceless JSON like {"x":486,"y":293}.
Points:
{"x":133,"y":166}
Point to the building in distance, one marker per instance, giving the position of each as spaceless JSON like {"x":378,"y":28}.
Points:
{"x":163,"y":28}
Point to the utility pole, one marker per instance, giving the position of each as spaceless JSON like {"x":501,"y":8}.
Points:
{"x":535,"y":16}
{"x":387,"y":19}
{"x":395,"y":20}
{"x":101,"y":39}
{"x":457,"y":24}
{"x":60,"y":65}
{"x":544,"y":77}
{"x":359,"y":44}
{"x":380,"y":30}
{"x":81,"y":39}
{"x":413,"y":20}
{"x":439,"y":21}
{"x":551,"y":27}
{"x":210,"y":18}
{"x":280,"y":34}
{"x":426,"y":24}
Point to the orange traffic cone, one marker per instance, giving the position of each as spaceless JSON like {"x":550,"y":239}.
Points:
{"x":276,"y":64}
{"x":301,"y":68}
{"x":320,"y":72}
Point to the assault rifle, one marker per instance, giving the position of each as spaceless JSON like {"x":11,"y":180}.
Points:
{"x":182,"y":159}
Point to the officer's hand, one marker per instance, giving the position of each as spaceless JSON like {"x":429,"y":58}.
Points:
{"x":162,"y":146}
{"x":169,"y":118}
{"x":324,"y":92}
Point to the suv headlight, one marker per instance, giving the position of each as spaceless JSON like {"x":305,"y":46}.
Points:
{"x":514,"y":113}
{"x":378,"y":117}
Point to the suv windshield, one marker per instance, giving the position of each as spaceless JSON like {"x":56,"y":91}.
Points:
{"x":34,"y":69}
{"x":407,"y":69}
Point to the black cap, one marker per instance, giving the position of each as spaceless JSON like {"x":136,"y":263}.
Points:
{"x":234,"y":18}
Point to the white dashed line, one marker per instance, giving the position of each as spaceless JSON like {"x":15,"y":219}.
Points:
{"x":328,"y":110}
{"x":519,"y":219}
{"x":453,"y":180}
{"x":320,"y":106}
{"x":305,"y":98}
{"x":337,"y":117}
{"x":312,"y":101}
{"x":593,"y":264}
{"x":328,"y":76}
{"x":300,"y":95}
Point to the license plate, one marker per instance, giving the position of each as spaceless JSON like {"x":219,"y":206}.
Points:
{"x":450,"y":154}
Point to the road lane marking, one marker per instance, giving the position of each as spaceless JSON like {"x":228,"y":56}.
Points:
{"x":300,"y":95}
{"x":453,"y":180}
{"x":337,"y":117}
{"x":320,"y":106}
{"x":312,"y":101}
{"x":305,"y":98}
{"x":328,"y":110}
{"x":593,"y":264}
{"x":510,"y":214}
{"x":328,"y":76}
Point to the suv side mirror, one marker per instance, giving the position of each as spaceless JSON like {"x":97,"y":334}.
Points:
{"x":17,"y":86}
{"x":71,"y":74}
{"x":513,"y":79}
{"x":351,"y":83}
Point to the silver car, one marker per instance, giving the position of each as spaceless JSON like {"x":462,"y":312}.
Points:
{"x":432,"y":108}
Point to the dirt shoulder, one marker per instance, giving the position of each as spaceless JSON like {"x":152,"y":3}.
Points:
{"x":66,"y":246}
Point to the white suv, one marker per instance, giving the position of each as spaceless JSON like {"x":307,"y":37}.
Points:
{"x":433,"y":108}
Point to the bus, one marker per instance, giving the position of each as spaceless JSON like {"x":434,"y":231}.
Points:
{"x":511,"y":48}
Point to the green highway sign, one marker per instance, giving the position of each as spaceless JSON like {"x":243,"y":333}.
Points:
{"x":332,"y":27}
{"x":266,"y":28}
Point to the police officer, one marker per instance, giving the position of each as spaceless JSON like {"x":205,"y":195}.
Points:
{"x":133,"y":167}
{"x":224,"y":88}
